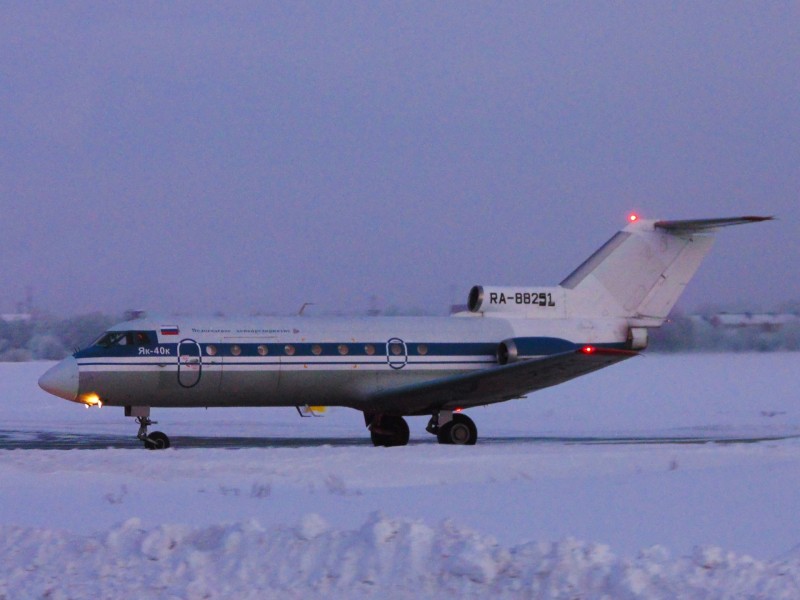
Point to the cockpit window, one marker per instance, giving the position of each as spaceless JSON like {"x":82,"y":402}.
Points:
{"x":123,"y":338}
{"x":112,"y":338}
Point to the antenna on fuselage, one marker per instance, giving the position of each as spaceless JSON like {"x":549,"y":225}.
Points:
{"x":302,"y":308}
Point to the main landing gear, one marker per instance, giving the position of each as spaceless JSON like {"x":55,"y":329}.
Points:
{"x":449,"y":428}
{"x":387,"y":430}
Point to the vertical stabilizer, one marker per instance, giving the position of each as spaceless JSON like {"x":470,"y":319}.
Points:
{"x":642,"y":271}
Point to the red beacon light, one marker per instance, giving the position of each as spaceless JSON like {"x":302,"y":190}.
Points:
{"x":633,"y":217}
{"x":588,"y":349}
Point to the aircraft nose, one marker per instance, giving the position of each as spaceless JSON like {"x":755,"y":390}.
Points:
{"x":62,"y":379}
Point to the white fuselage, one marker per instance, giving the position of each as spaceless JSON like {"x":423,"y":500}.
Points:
{"x":309,"y":360}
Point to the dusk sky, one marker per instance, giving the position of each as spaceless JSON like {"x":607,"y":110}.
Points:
{"x":196,"y":157}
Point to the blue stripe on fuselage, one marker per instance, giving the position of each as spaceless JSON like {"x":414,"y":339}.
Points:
{"x":531,"y":346}
{"x":428,"y":353}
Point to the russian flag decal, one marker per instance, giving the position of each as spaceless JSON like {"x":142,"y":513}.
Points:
{"x":173,"y":330}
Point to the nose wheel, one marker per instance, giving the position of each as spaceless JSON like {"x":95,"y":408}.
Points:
{"x":152,"y":441}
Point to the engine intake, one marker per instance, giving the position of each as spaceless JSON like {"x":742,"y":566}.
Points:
{"x":475,"y":300}
{"x":507,"y":352}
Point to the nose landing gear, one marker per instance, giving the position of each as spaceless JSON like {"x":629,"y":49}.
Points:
{"x":154,"y":441}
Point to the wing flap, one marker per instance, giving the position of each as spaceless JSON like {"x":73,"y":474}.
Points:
{"x":496,"y":384}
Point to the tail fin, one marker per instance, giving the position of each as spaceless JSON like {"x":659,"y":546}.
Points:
{"x":641,"y":272}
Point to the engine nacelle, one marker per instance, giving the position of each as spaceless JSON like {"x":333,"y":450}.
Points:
{"x":527,"y":301}
{"x":520,"y":348}
{"x":507,"y":352}
{"x":637,"y":338}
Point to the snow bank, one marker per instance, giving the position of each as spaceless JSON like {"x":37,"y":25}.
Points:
{"x":212,"y":523}
{"x":399,"y":557}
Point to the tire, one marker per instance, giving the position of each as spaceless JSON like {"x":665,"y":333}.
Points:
{"x":392,"y":431}
{"x":157,"y":441}
{"x":461,"y":431}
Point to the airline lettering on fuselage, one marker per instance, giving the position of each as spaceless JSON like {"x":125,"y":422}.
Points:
{"x":526,"y":298}
{"x":253,"y":330}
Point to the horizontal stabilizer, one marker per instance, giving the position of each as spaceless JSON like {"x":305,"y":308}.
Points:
{"x":697,"y":225}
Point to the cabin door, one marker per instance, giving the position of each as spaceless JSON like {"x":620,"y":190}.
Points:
{"x":190,"y":363}
{"x":396,"y":353}
{"x":199,"y":368}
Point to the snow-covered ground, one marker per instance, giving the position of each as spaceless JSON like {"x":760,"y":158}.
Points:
{"x":515,"y":516}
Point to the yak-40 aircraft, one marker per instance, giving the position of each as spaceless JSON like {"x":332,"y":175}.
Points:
{"x":510,"y":342}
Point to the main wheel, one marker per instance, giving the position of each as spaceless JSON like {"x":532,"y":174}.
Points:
{"x":156,"y":441}
{"x":391,"y":431}
{"x":460,"y":431}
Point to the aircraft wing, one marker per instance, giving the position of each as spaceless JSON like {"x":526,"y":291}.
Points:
{"x":496,"y":384}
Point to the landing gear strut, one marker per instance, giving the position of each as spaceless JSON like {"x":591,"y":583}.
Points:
{"x":452,"y":428}
{"x":387,"y":430}
{"x":154,"y":441}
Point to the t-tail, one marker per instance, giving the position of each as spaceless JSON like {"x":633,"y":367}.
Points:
{"x":638,"y":275}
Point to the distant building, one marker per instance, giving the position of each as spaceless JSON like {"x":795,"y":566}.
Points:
{"x":748,"y":320}
{"x":16,"y":317}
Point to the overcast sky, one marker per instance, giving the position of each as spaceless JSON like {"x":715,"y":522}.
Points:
{"x":244,"y":157}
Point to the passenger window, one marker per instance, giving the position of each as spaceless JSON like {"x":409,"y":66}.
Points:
{"x":422,"y":349}
{"x":289,"y":349}
{"x":236,"y":350}
{"x":211,"y":350}
{"x":396,"y":349}
{"x":263,"y":350}
{"x":343,"y":349}
{"x":369,"y":349}
{"x":316,"y":349}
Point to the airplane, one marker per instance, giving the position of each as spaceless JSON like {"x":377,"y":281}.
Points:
{"x":510,"y":342}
